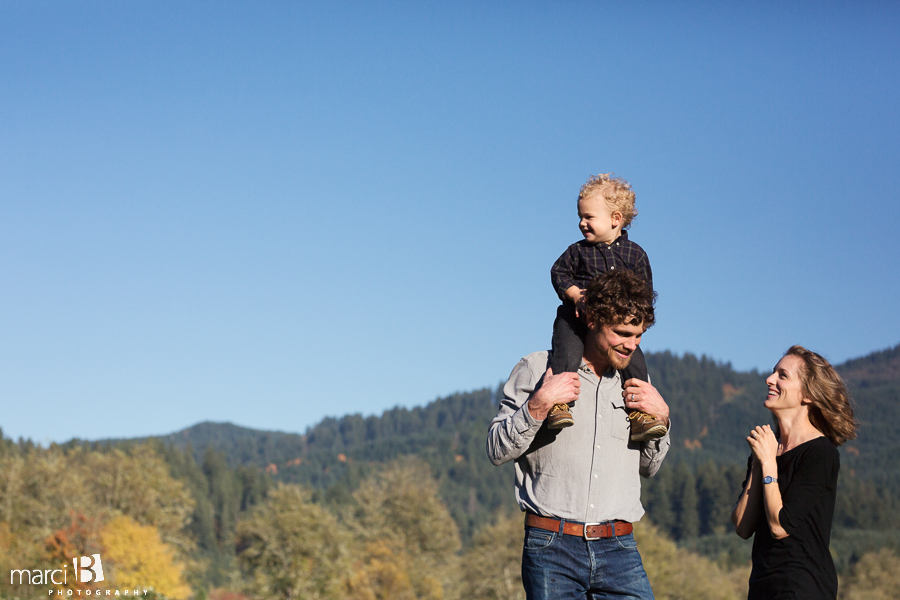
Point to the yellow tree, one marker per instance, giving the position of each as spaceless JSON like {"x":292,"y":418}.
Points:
{"x":53,"y":501}
{"x":137,"y":558}
{"x":381,"y":572}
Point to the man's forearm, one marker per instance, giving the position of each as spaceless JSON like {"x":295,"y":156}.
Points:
{"x":510,"y":436}
{"x":653,"y":453}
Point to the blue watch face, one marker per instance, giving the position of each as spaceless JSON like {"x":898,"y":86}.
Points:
{"x":769,"y":479}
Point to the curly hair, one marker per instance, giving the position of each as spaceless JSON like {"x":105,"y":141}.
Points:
{"x":830,"y":411}
{"x":620,"y":296}
{"x":615,"y":191}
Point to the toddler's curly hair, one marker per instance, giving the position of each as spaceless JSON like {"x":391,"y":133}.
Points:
{"x":615,"y":191}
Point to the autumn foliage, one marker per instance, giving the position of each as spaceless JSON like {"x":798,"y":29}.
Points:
{"x":211,"y":533}
{"x":58,"y":506}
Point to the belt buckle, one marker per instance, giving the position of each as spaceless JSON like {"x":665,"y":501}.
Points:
{"x":585,"y":534}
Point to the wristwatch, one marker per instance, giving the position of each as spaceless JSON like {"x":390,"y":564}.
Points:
{"x":769,"y":479}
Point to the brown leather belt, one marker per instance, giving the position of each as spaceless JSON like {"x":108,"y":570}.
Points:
{"x":589,"y":531}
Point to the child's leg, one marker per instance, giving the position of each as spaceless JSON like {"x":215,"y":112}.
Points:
{"x":568,"y":340}
{"x":565,"y":356}
{"x":637,"y":368}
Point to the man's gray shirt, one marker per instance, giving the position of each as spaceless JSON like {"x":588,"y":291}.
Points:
{"x":589,"y":472}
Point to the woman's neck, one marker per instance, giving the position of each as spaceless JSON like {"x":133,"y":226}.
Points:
{"x":795,"y":429}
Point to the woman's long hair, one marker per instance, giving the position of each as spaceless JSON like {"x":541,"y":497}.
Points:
{"x":829,"y":410}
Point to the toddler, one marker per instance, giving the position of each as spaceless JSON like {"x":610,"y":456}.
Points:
{"x":605,"y":209}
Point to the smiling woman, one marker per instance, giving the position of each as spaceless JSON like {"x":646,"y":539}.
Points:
{"x":788,"y":495}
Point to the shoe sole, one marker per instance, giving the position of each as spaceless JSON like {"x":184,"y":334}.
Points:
{"x":654,"y":433}
{"x":560,"y":422}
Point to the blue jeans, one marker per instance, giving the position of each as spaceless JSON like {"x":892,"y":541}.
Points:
{"x":556,"y":566}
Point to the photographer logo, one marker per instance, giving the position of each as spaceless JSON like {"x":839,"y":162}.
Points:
{"x":91,"y":570}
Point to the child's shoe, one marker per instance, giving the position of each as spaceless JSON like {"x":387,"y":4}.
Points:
{"x":560,"y":417}
{"x":646,"y":427}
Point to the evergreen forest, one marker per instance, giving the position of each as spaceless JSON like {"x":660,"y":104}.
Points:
{"x":406,"y":505}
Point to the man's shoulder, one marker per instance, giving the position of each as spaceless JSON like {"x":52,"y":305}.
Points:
{"x":537,"y":360}
{"x":529,"y":369}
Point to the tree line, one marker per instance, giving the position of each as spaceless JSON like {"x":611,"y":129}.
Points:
{"x":202,"y":502}
{"x":182,"y":529}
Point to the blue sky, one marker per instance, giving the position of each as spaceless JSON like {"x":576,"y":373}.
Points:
{"x":272,"y":212}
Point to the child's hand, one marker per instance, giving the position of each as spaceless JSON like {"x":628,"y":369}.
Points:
{"x":580,"y":307}
{"x":576,"y":295}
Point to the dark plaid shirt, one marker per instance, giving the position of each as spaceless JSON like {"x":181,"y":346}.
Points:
{"x":582,"y":261}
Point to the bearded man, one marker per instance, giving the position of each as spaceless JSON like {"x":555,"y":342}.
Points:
{"x":580,"y":487}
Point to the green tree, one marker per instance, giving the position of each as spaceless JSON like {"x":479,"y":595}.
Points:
{"x":39,"y":489}
{"x":398,"y":512}
{"x":713,"y":499}
{"x":687,"y":524}
{"x":676,"y":574}
{"x":658,"y":498}
{"x":875,"y":577}
{"x":290,"y":547}
{"x":137,"y":484}
{"x":492,"y":565}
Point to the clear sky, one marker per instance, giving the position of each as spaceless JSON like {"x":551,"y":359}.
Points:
{"x":272,"y":212}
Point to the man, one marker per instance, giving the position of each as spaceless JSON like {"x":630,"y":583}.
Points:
{"x":580,"y":486}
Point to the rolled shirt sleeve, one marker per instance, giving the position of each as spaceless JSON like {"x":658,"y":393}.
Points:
{"x":562,"y":273}
{"x":513,"y":429}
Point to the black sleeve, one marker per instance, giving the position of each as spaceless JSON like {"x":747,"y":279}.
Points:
{"x":562,"y":273}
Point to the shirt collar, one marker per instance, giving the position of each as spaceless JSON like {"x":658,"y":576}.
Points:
{"x":611,"y":375}
{"x":623,"y":237}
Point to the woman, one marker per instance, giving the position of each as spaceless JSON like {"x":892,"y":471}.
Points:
{"x":788,"y":495}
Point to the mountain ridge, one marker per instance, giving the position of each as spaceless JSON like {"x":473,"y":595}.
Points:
{"x":712,"y":406}
{"x":680,"y":379}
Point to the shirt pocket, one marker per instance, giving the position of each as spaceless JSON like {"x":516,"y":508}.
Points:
{"x":620,"y":426}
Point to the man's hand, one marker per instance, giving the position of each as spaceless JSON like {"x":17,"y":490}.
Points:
{"x":555,"y":389}
{"x":640,"y":395}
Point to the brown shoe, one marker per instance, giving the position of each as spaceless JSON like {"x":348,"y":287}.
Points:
{"x":560,"y":417}
{"x":646,"y":427}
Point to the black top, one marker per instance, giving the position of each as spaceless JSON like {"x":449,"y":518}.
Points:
{"x":582,"y":261}
{"x":800,"y":565}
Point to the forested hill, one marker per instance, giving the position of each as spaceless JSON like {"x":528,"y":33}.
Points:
{"x":874,"y":383}
{"x":712,"y":407}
